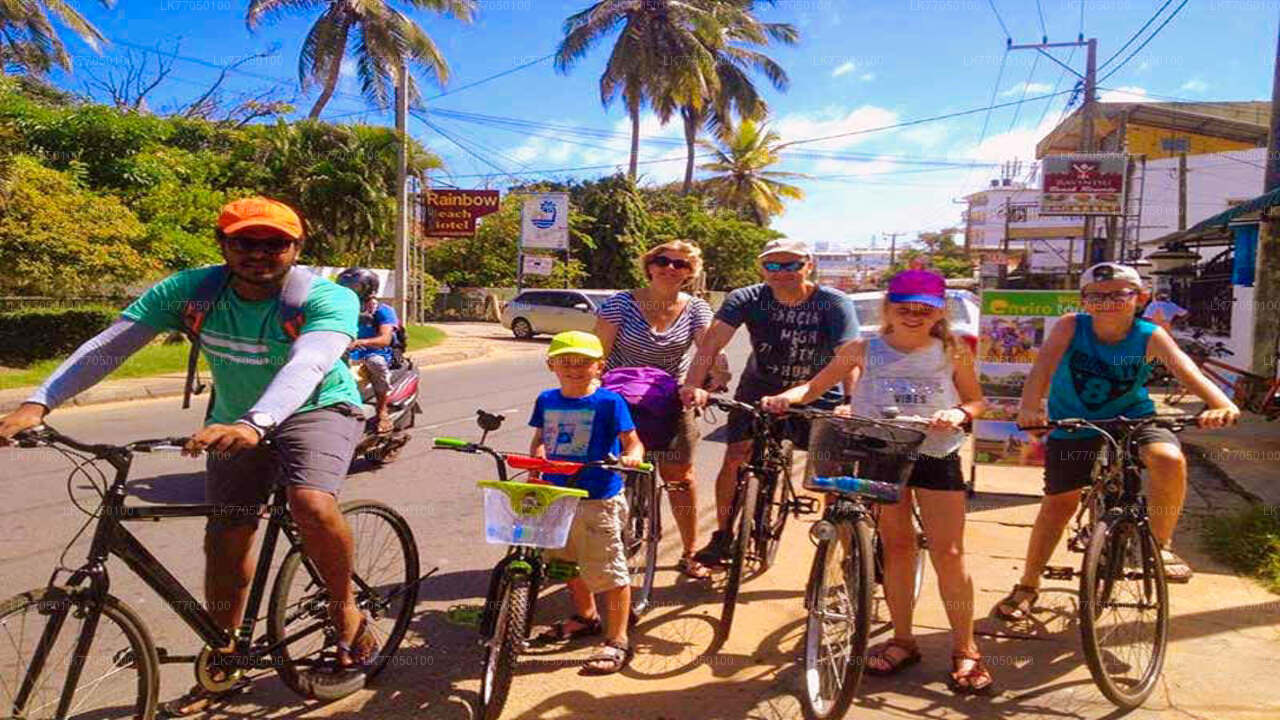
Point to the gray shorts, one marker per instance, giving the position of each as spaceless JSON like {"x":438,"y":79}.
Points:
{"x":311,"y":450}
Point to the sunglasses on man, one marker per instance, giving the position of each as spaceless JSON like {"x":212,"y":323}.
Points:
{"x":663,"y":261}
{"x":789,"y":266}
{"x":271,"y":246}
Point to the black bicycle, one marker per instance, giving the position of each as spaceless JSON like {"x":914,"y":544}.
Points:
{"x":641,"y":535}
{"x":860,"y":462}
{"x":73,"y":650}
{"x":1124,"y":597}
{"x":528,"y":518}
{"x":763,"y":498}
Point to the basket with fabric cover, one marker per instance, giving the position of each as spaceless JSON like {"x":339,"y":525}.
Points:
{"x":863,"y":448}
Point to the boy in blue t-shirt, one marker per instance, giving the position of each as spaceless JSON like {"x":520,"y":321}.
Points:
{"x":582,"y":422}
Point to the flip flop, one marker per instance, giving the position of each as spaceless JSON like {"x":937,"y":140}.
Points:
{"x":692,"y":568}
{"x":363,"y":660}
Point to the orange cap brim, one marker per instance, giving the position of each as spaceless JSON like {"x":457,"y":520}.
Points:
{"x":288,"y":229}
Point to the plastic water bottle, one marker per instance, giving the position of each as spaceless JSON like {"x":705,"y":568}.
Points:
{"x":881,"y":491}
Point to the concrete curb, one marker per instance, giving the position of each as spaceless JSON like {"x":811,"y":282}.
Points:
{"x":172,"y":384}
{"x":1205,"y":457}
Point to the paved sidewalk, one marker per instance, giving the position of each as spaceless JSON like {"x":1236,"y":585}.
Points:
{"x":462,"y":343}
{"x":1247,"y":455}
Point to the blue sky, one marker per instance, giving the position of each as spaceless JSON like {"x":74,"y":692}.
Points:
{"x":860,"y":65}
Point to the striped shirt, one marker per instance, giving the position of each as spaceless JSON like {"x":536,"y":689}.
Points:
{"x":638,"y":344}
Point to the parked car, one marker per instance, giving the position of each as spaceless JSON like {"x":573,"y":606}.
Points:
{"x":547,"y":311}
{"x":962,"y":311}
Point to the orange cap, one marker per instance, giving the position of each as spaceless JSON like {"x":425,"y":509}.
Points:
{"x":259,"y":211}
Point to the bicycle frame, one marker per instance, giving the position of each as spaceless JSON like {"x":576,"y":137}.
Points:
{"x":1242,"y":387}
{"x":766,"y":459}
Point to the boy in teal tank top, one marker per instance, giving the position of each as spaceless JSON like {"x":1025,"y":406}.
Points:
{"x":1095,"y":365}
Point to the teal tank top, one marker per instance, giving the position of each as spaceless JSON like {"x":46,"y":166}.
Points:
{"x":1096,"y":381}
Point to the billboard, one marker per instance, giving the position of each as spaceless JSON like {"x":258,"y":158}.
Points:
{"x":544,"y":221}
{"x":538,"y":264}
{"x":1085,"y":184}
{"x":453,"y":213}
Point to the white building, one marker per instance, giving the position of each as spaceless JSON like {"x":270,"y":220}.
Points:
{"x":850,"y":270}
{"x":1042,"y":243}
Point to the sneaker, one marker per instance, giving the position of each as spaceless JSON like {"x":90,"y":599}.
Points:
{"x":717,"y":552}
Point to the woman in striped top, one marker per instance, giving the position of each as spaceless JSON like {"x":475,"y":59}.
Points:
{"x":657,"y":326}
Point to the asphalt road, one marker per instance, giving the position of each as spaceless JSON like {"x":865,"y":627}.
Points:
{"x":434,"y":490}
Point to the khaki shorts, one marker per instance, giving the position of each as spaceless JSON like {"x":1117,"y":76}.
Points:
{"x":595,"y":543}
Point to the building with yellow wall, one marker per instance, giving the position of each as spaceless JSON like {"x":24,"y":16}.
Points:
{"x":1160,"y":130}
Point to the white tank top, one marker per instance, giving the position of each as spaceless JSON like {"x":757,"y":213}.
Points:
{"x":917,"y":383}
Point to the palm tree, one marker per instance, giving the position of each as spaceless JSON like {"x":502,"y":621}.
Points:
{"x":657,"y":54}
{"x":385,"y":40}
{"x":732,"y":41}
{"x":744,"y":183}
{"x":28,"y":40}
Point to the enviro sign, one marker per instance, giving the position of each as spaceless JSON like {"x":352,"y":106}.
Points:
{"x":453,"y":213}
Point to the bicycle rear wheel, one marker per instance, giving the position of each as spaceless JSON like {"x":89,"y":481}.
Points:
{"x":741,"y":542}
{"x":1124,"y":611}
{"x":640,"y":536}
{"x":502,"y":650}
{"x":838,"y":599}
{"x":46,"y":633}
{"x":385,"y":578}
{"x":773,"y":511}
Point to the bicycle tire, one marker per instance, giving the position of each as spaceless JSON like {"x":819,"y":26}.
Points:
{"x":1109,"y":544}
{"x":139,"y":654}
{"x":821,"y":701}
{"x":299,"y":600}
{"x":775,"y":509}
{"x":741,"y":542}
{"x":504,"y":647}
{"x":642,"y":532}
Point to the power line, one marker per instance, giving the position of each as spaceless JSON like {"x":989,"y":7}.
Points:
{"x":1134,"y":36}
{"x":1000,"y":20}
{"x":1026,"y":85}
{"x":1144,"y":42}
{"x":1044,"y":31}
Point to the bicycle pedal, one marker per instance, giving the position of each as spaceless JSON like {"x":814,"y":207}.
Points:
{"x":1058,"y":572}
{"x":561,"y":570}
{"x":804,"y":506}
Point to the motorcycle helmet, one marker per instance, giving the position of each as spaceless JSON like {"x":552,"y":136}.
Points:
{"x":364,"y":283}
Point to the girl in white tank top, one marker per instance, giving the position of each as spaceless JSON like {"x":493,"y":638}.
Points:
{"x":917,"y":366}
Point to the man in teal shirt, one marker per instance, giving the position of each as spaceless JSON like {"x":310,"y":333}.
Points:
{"x":297,"y":391}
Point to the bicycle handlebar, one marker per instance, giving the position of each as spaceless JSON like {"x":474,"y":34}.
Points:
{"x":1173,"y":422}
{"x":45,"y":436}
{"x":460,"y":445}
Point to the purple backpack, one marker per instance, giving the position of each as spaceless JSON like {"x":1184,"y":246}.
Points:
{"x":654,"y":398}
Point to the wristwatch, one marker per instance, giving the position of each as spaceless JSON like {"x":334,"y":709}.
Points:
{"x":260,"y":421}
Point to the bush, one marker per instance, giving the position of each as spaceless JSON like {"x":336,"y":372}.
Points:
{"x":1248,"y":541}
{"x":27,"y":336}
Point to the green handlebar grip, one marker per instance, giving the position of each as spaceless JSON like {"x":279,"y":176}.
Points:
{"x":646,"y":467}
{"x":448,"y":442}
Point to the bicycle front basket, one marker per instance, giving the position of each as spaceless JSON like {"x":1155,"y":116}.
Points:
{"x":870,"y":450}
{"x":518,"y":513}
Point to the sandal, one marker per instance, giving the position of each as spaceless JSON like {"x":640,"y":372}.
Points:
{"x":692,"y":568}
{"x":559,"y":631}
{"x":976,"y":680}
{"x":1014,"y":610}
{"x":363,"y":650}
{"x":882,"y":652}
{"x":612,"y":657}
{"x":198,"y":700}
{"x":1176,"y":570}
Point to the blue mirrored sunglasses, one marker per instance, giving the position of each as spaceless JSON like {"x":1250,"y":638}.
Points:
{"x":790,"y":266}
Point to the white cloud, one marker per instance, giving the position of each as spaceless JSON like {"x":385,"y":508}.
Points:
{"x":1195,"y":85}
{"x":1028,"y":88}
{"x":833,"y":121}
{"x":867,"y":77}
{"x":843,"y":70}
{"x":1127,"y":93}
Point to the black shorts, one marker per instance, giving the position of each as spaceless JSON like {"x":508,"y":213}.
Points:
{"x":1068,"y":464}
{"x":937,"y":473}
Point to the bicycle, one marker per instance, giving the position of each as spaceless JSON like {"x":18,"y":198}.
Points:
{"x":763,"y":498}
{"x":528,"y":518}
{"x":386,"y":585}
{"x":1248,"y":390}
{"x":838,"y":594}
{"x":1122,"y":568}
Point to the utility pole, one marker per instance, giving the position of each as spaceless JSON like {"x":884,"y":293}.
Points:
{"x":1266,"y":331}
{"x":1182,"y":191}
{"x":402,"y":193}
{"x":1003,"y":270}
{"x":893,"y":246}
{"x":1088,"y":143}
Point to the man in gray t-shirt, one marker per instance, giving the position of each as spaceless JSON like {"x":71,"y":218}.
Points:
{"x":796,"y":327}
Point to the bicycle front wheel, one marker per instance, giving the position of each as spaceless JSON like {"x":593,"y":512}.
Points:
{"x":385,"y":579}
{"x":838,"y":599}
{"x":1124,"y":611}
{"x":502,"y":651}
{"x":741,"y":542}
{"x":640,"y":537}
{"x":60,"y":657}
{"x":774,"y":510}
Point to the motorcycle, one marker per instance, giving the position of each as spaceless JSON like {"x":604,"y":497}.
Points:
{"x":402,"y":406}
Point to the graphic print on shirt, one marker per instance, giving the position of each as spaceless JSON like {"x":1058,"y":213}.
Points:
{"x":906,"y":392}
{"x":567,"y":433}
{"x":800,"y":332}
{"x":1098,"y":382}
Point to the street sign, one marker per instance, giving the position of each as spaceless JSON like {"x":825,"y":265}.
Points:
{"x":538,"y":264}
{"x":544,"y":221}
{"x":1084,"y":184}
{"x":453,"y":213}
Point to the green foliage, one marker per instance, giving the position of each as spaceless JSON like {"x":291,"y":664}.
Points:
{"x":1248,"y":541}
{"x":940,"y":254}
{"x":617,"y":223}
{"x":27,"y":336}
{"x":57,"y":238}
{"x":729,"y":243}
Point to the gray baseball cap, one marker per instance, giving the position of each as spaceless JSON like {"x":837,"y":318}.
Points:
{"x":1103,"y":272}
{"x":786,"y":245}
